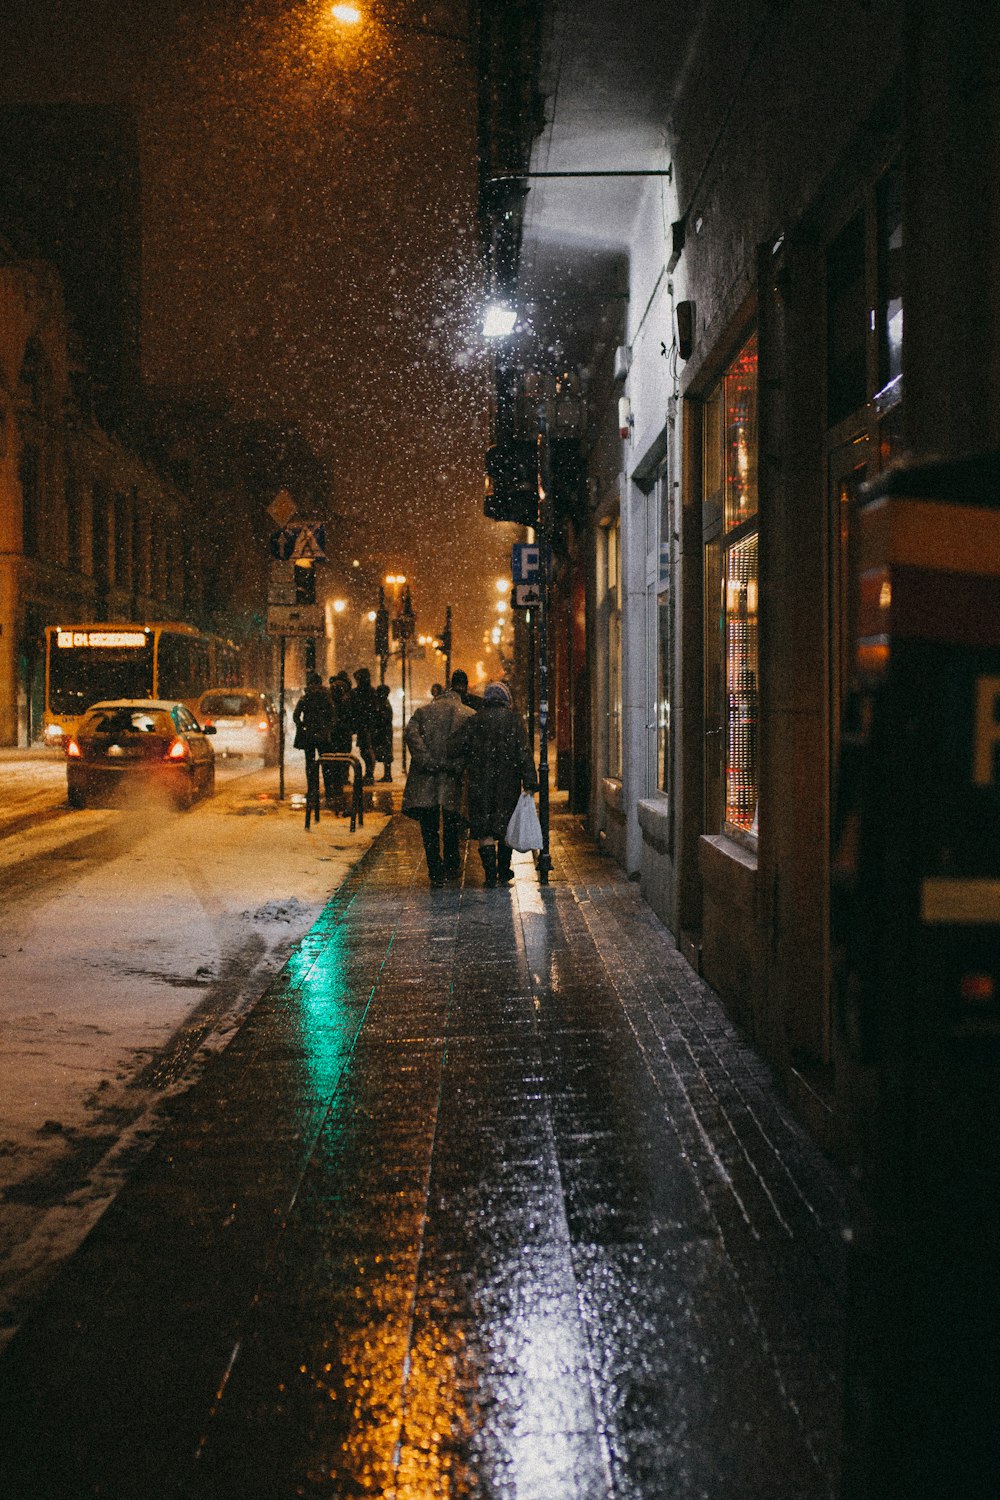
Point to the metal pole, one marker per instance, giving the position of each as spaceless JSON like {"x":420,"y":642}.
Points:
{"x":402,"y":650}
{"x":281,"y":719}
{"x":544,"y":534}
{"x":531,"y":681}
{"x":447,"y":659}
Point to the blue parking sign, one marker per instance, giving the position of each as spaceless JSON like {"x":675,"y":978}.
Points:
{"x":526,"y":562}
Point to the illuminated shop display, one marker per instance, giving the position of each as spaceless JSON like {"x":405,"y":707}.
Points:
{"x":729,"y":467}
{"x":741,"y":683}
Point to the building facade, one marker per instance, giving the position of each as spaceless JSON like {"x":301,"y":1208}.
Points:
{"x":752,"y":176}
{"x":88,"y":529}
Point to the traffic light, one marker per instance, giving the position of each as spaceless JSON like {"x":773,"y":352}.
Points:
{"x":444,"y":639}
{"x":305,"y":582}
{"x":381,"y":627}
{"x":407,"y":619}
{"x":382,"y":632}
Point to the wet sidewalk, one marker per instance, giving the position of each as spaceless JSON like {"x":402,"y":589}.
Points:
{"x":486,"y":1198}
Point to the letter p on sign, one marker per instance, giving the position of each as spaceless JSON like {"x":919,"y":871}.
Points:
{"x":987,"y":733}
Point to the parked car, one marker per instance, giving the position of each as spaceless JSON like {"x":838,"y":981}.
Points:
{"x":245,"y":720}
{"x":138,"y":744}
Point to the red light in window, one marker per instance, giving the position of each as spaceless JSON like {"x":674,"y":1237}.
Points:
{"x":977,"y":989}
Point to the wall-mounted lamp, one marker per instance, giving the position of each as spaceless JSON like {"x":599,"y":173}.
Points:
{"x":685,"y":313}
{"x":678,"y":235}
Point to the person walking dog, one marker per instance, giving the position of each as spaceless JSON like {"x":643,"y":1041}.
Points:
{"x":499,"y":763}
{"x":434,"y":782}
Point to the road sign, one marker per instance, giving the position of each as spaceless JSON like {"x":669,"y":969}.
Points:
{"x":305,"y":541}
{"x":282,"y":508}
{"x":527,"y":596}
{"x":296,"y":619}
{"x":310,"y":542}
{"x":281,"y":583}
{"x":526,"y":564}
{"x":282,"y":542}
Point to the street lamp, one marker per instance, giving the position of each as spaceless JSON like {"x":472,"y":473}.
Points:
{"x":499,"y":320}
{"x":334,"y":607}
{"x":350,"y":15}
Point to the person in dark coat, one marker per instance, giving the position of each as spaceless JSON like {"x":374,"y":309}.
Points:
{"x":460,"y":685}
{"x":315,"y":722}
{"x":499,"y":762}
{"x":340,"y":693}
{"x":364,"y":707}
{"x":382,"y":737}
{"x":432,"y":796}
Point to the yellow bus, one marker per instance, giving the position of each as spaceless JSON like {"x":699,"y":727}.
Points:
{"x":88,"y":663}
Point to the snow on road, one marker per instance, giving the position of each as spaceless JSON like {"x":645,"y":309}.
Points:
{"x":132,"y":943}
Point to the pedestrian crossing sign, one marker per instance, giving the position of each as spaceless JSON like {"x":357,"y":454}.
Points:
{"x":310,"y":543}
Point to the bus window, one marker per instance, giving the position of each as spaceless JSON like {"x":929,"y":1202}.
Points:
{"x":81,"y":673}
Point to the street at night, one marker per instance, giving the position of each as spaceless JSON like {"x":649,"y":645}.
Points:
{"x":499,"y":750}
{"x":483,"y":1197}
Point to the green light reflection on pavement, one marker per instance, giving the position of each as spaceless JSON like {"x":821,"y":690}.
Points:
{"x":327,"y":1019}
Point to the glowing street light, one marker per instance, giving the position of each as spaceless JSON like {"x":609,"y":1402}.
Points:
{"x":347,"y":15}
{"x":339,"y":606}
{"x":499,"y":319}
{"x":503,"y":585}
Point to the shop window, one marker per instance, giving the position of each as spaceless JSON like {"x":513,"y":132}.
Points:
{"x":729,"y":458}
{"x":846,"y":322}
{"x":614,"y":650}
{"x":741,"y":684}
{"x":890,"y":276}
{"x":664,"y":633}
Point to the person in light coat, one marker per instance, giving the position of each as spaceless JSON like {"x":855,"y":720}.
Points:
{"x":435,"y":737}
{"x":500,"y":763}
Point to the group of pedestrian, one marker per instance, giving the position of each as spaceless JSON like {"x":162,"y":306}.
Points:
{"x":339,"y":718}
{"x":469,"y":760}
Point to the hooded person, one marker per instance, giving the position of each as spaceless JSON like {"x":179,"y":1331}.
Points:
{"x":364,"y":706}
{"x":435,"y":738}
{"x":382,"y":738}
{"x":500,"y":764}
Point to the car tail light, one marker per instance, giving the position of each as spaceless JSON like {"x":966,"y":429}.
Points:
{"x":73,"y":750}
{"x":178,"y":751}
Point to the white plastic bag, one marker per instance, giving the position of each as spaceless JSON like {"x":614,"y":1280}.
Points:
{"x":524,"y":831}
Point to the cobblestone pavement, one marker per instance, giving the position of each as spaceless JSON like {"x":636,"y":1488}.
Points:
{"x":485,"y":1199}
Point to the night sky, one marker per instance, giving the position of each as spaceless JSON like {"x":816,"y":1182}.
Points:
{"x":309,"y":242}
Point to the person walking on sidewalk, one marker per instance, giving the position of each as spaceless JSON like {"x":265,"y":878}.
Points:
{"x":315,"y":720}
{"x":382,"y":737}
{"x":499,"y":763}
{"x":364,"y":707}
{"x":435,"y":738}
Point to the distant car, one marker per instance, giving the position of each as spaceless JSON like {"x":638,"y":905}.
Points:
{"x":245,"y":720}
{"x":139,"y":744}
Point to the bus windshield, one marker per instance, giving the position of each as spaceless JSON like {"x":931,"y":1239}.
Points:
{"x":82,"y":675}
